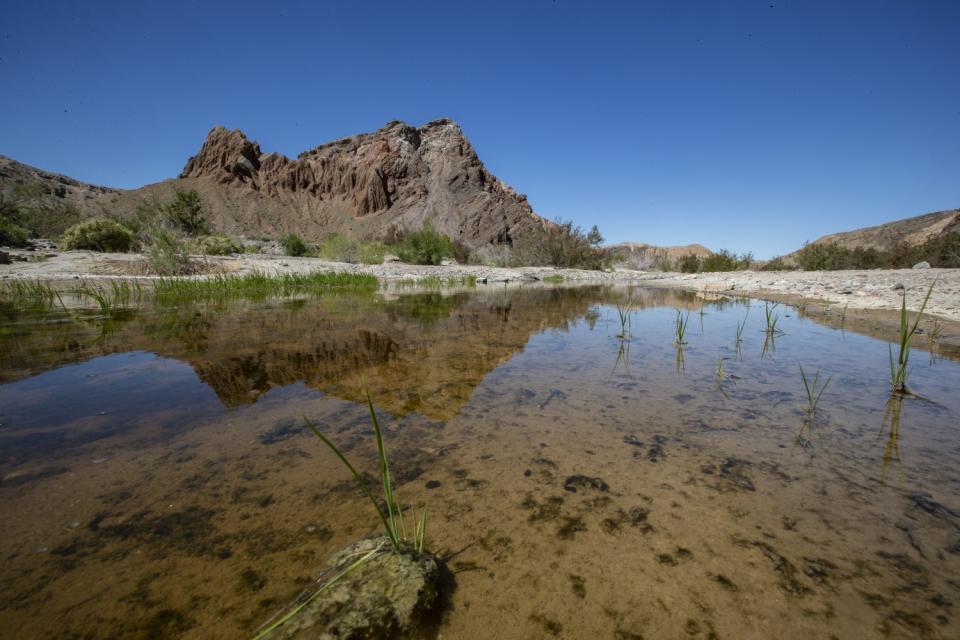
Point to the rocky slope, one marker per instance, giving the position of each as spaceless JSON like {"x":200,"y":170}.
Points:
{"x":372,"y":185}
{"x":31,"y":182}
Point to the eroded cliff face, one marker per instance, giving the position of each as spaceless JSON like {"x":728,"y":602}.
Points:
{"x":373,"y":184}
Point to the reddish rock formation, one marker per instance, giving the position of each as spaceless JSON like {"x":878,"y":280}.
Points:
{"x":396,"y":178}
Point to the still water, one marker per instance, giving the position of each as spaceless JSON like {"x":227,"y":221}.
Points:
{"x":156,"y":480}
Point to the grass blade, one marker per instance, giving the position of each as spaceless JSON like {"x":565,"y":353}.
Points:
{"x":363,"y":485}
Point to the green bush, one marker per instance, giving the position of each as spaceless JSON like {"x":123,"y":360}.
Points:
{"x":294,"y":245}
{"x":186,"y":213}
{"x":12,"y":234}
{"x":219,"y":245}
{"x":168,"y":255}
{"x":98,"y":234}
{"x":725,"y":260}
{"x":428,"y":246}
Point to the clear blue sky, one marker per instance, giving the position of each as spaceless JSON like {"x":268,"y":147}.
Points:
{"x":731,"y":123}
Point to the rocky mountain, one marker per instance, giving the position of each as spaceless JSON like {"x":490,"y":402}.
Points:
{"x":637,"y":255}
{"x":371,"y":185}
{"x":912,"y":231}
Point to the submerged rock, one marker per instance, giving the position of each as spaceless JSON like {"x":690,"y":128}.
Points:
{"x":385,"y":597}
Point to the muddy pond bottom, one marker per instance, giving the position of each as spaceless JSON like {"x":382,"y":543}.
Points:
{"x":157,"y":481}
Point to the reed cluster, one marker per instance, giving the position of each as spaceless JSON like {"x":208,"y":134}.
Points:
{"x":259,"y":285}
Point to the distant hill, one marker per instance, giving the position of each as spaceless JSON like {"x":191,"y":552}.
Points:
{"x":645,"y":257}
{"x":885,"y":237}
{"x":372,"y":185}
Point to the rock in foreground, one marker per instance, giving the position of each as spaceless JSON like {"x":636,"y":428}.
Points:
{"x":385,"y":597}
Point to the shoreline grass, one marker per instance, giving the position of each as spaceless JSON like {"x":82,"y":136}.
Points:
{"x":29,"y":295}
{"x":437,"y":282}
{"x":898,"y":370}
{"x":260,"y":285}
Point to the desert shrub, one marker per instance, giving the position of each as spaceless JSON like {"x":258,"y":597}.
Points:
{"x":492,"y":255}
{"x":565,"y":245}
{"x":725,"y":260}
{"x":167,"y":254}
{"x":342,"y":248}
{"x":219,"y":245}
{"x":98,"y":234}
{"x":429,"y":246}
{"x":294,"y":245}
{"x":185,"y":213}
{"x":688,"y":264}
{"x":12,"y":234}
{"x":776,"y":264}
{"x":941,"y":250}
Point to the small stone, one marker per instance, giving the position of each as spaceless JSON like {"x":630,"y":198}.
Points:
{"x":922,"y":265}
{"x":898,"y":287}
{"x":310,"y":528}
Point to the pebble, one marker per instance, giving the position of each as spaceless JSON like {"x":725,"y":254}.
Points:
{"x":310,"y":528}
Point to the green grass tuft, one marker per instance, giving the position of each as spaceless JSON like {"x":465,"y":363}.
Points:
{"x":814,"y":390}
{"x":681,"y":328}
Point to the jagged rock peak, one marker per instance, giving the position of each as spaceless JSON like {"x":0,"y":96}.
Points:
{"x":224,"y":150}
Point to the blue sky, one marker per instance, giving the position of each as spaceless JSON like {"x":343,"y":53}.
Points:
{"x":747,"y":125}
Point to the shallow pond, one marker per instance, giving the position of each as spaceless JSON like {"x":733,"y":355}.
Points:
{"x":156,"y":480}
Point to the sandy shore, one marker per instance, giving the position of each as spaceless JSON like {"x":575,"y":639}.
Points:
{"x":867,"y":290}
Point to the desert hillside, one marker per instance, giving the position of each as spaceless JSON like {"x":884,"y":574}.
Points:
{"x":373,"y":185}
{"x":883,"y":237}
